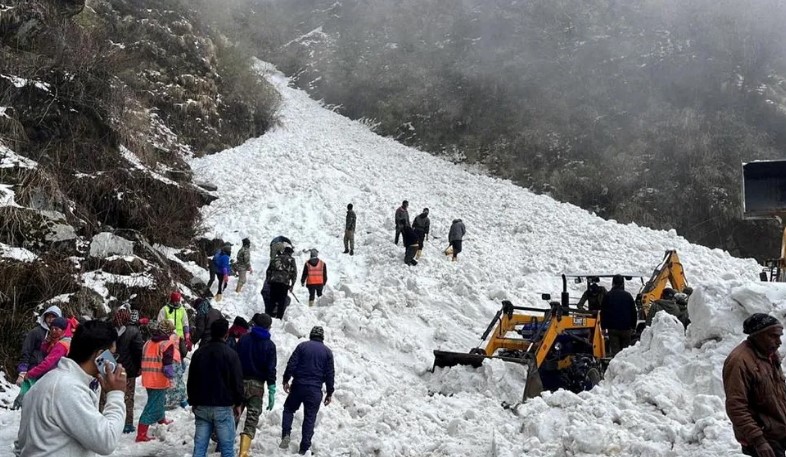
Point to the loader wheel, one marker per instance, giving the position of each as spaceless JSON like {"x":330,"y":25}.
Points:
{"x":593,"y":377}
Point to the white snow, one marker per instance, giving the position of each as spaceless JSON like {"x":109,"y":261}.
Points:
{"x":107,"y":244}
{"x":10,"y":159}
{"x":382,"y":319}
{"x":131,"y":157}
{"x":21,"y":254}
{"x":22,"y":82}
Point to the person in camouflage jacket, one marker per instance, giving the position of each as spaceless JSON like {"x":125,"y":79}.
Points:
{"x":243,"y":264}
{"x":281,"y":275}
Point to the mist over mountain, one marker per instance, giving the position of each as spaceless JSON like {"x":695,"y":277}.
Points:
{"x":640,"y":111}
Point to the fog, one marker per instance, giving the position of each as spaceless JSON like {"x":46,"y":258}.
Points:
{"x":637,"y":110}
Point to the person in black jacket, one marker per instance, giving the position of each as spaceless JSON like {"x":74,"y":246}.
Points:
{"x":258,"y":358}
{"x":310,"y":365}
{"x":205,"y":316}
{"x":422,"y":225}
{"x":215,"y":391}
{"x":618,"y":315}
{"x":129,"y":354}
{"x":411,"y":245}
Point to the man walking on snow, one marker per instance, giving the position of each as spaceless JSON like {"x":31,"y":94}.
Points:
{"x":402,"y":219}
{"x":314,"y":276}
{"x":281,"y":275}
{"x":349,"y":231}
{"x":421,"y":225}
{"x":257,"y":354}
{"x":243,"y":264}
{"x":310,"y":365}
{"x":754,"y":384}
{"x":215,"y":390}
{"x":456,"y":238}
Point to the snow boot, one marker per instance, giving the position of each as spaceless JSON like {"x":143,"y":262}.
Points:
{"x":346,"y":251}
{"x":245,"y":445}
{"x":239,"y":288}
{"x":141,"y":433}
{"x":129,"y":428}
{"x":417,"y":254}
{"x":311,"y":303}
{"x":352,"y":252}
{"x":284,"y":442}
{"x":219,"y":297}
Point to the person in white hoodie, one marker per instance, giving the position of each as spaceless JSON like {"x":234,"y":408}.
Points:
{"x":60,"y":413}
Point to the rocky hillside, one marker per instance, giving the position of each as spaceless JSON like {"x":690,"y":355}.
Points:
{"x":101,"y":102}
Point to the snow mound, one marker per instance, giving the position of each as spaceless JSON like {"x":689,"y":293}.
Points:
{"x":383,"y":319}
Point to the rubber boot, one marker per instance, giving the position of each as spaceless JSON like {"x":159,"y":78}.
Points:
{"x":218,"y":297}
{"x":245,"y":445}
{"x":141,"y":433}
{"x":311,"y":303}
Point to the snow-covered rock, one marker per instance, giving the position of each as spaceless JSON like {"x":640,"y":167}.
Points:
{"x":106,"y":244}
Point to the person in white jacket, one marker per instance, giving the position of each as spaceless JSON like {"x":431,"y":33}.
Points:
{"x":60,"y":414}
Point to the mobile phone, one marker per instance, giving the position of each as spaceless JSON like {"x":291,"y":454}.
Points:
{"x":106,"y":361}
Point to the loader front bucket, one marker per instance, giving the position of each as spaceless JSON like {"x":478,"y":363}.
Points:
{"x":533,"y":387}
{"x":444,"y":359}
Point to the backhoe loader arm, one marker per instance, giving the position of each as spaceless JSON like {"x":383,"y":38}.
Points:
{"x":669,"y":271}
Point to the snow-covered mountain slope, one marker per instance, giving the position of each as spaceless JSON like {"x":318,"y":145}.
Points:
{"x":383,"y":319}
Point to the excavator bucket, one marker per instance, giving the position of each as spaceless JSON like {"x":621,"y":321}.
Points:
{"x":764,"y":189}
{"x":443,"y":359}
{"x":533,"y":387}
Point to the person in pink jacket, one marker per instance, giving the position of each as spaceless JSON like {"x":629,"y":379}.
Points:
{"x":55,"y":346}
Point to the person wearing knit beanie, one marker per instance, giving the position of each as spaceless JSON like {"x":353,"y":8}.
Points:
{"x":753,"y":383}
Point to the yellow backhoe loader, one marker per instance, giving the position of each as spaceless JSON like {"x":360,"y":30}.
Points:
{"x":563,"y":347}
{"x":669,"y":272}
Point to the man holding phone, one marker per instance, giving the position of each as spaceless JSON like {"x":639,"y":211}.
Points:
{"x":49,"y":424}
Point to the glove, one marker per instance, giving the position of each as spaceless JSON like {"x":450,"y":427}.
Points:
{"x":189,"y":344}
{"x":271,"y":397}
{"x":21,"y":379}
{"x":169,"y":371}
{"x":764,"y":450}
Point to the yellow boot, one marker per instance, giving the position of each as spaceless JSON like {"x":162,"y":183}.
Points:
{"x":245,"y":445}
{"x":219,"y":297}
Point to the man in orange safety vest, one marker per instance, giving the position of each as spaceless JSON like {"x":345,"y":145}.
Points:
{"x":314,"y":276}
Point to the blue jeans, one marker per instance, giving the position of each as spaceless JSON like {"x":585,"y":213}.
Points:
{"x":218,"y":418}
{"x":310,"y":397}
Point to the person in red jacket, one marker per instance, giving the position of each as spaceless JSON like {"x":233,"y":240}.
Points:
{"x":314,"y":276}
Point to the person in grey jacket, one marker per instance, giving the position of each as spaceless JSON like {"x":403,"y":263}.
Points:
{"x":456,"y":236}
{"x":349,"y":231}
{"x":402,"y":219}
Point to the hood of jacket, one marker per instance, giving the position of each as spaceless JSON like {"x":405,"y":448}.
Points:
{"x":314,"y":261}
{"x":456,"y":221}
{"x":51,"y":310}
{"x":260,"y":333}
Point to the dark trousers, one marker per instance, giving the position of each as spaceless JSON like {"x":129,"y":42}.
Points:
{"x":310,"y":398}
{"x":618,"y":340}
{"x":398,"y":233}
{"x":778,"y":448}
{"x":409,"y":254}
{"x":212,"y":277}
{"x":278,"y":298}
{"x":222,"y":285}
{"x":456,"y":247}
{"x":314,"y":290}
